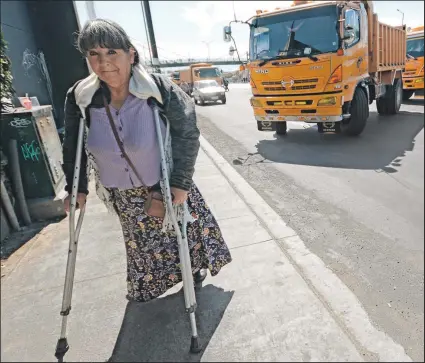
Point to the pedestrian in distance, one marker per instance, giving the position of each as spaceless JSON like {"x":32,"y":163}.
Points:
{"x":121,"y":147}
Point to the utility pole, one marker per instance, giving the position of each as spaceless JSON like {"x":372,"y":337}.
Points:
{"x":208,"y":46}
{"x":90,"y":10}
{"x":151,"y":36}
{"x":402,"y":19}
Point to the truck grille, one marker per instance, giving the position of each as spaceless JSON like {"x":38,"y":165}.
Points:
{"x":299,"y":84}
{"x":293,"y":88}
{"x":311,"y":80}
{"x":289,"y":103}
{"x":310,"y":86}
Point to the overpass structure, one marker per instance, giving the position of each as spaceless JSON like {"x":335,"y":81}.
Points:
{"x":184,"y":63}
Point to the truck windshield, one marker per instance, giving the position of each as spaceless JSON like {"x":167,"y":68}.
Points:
{"x":207,"y":72}
{"x":295,"y":34}
{"x":415,"y":47}
{"x":206,"y":84}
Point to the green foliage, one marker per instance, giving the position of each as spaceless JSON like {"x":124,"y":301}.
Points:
{"x":7,"y":90}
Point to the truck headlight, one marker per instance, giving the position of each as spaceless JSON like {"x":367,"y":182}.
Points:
{"x":328,"y":101}
{"x":255,"y":102}
{"x":419,"y":80}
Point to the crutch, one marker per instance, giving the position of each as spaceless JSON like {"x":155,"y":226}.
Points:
{"x":62,"y":346}
{"x":183,"y":245}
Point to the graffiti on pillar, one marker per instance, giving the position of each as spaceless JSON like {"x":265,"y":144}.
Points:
{"x":19,"y":122}
{"x":30,"y":151}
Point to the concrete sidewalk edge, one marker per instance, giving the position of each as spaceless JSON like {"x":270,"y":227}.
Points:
{"x":338,"y":299}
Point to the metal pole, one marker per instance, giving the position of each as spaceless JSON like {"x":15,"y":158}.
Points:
{"x":208,"y":47}
{"x":402,"y":19}
{"x":90,"y":10}
{"x":17,"y":180}
{"x":155,"y":59}
{"x":8,"y":208}
{"x":147,"y":37}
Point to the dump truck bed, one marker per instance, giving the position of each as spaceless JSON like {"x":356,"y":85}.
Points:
{"x":389,"y":47}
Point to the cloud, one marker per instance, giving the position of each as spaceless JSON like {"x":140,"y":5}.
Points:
{"x":208,"y":14}
{"x":393,"y":21}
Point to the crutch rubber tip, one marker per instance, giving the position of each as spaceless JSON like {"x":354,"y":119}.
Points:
{"x":194,"y":345}
{"x":61,"y":348}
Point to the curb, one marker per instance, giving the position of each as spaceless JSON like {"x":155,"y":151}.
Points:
{"x":338,"y":299}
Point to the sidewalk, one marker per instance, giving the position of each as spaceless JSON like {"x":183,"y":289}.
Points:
{"x":259,"y":308}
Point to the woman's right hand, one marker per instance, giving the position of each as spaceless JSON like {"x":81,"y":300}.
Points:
{"x":81,"y":201}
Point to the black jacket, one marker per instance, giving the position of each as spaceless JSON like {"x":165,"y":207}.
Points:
{"x":177,"y":107}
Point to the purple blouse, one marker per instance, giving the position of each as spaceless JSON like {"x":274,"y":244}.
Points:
{"x":136,"y":128}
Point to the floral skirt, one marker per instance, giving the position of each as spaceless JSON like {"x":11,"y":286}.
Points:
{"x":153,"y":256}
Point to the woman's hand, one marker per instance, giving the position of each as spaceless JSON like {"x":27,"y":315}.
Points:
{"x":180,"y":196}
{"x":81,"y":201}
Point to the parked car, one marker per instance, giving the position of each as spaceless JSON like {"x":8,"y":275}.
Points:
{"x":208,"y":91}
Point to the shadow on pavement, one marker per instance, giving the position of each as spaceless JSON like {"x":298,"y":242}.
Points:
{"x":414,"y":102}
{"x":159,"y":331}
{"x":382,"y":145}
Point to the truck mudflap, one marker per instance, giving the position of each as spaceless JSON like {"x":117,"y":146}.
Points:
{"x":329,"y":127}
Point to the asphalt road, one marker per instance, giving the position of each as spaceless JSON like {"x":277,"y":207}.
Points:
{"x":358,"y":203}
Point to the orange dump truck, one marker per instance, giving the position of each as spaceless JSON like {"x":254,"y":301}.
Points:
{"x":197,"y":72}
{"x":413,"y":77}
{"x":325,"y":63}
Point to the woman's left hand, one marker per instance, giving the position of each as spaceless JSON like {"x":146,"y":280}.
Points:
{"x":180,"y":196}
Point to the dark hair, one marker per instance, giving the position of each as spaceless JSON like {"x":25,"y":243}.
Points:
{"x":105,"y":34}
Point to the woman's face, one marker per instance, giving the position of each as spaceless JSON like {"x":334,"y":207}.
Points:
{"x":112,"y":66}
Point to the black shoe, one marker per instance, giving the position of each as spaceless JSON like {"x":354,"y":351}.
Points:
{"x":199,"y":276}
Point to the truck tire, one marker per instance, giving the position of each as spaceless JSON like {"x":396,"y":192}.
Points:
{"x":281,"y":128}
{"x":355,"y":125}
{"x":407,"y":93}
{"x":391,"y":102}
{"x":223,"y":100}
{"x":201,"y":101}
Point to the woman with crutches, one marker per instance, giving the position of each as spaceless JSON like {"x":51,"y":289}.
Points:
{"x":132,"y":121}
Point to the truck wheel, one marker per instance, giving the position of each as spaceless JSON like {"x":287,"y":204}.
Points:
{"x":391,"y":102}
{"x":281,"y":128}
{"x":201,"y":101}
{"x":407,"y":93}
{"x":223,"y":100}
{"x":355,"y":125}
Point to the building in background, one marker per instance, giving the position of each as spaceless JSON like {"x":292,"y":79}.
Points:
{"x":45,"y":64}
{"x":50,"y":27}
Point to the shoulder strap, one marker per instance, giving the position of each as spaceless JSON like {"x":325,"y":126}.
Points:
{"x":119,"y":142}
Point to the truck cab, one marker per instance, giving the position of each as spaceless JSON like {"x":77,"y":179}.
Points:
{"x":413,"y":77}
{"x":319,"y":62}
{"x":198,"y":72}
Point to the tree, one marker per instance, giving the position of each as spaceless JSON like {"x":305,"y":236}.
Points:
{"x":7,"y":90}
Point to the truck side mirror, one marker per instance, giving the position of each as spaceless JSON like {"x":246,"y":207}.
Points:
{"x":349,"y":38}
{"x":227,"y":32}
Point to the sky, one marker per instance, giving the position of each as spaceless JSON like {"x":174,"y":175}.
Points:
{"x":194,"y":29}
